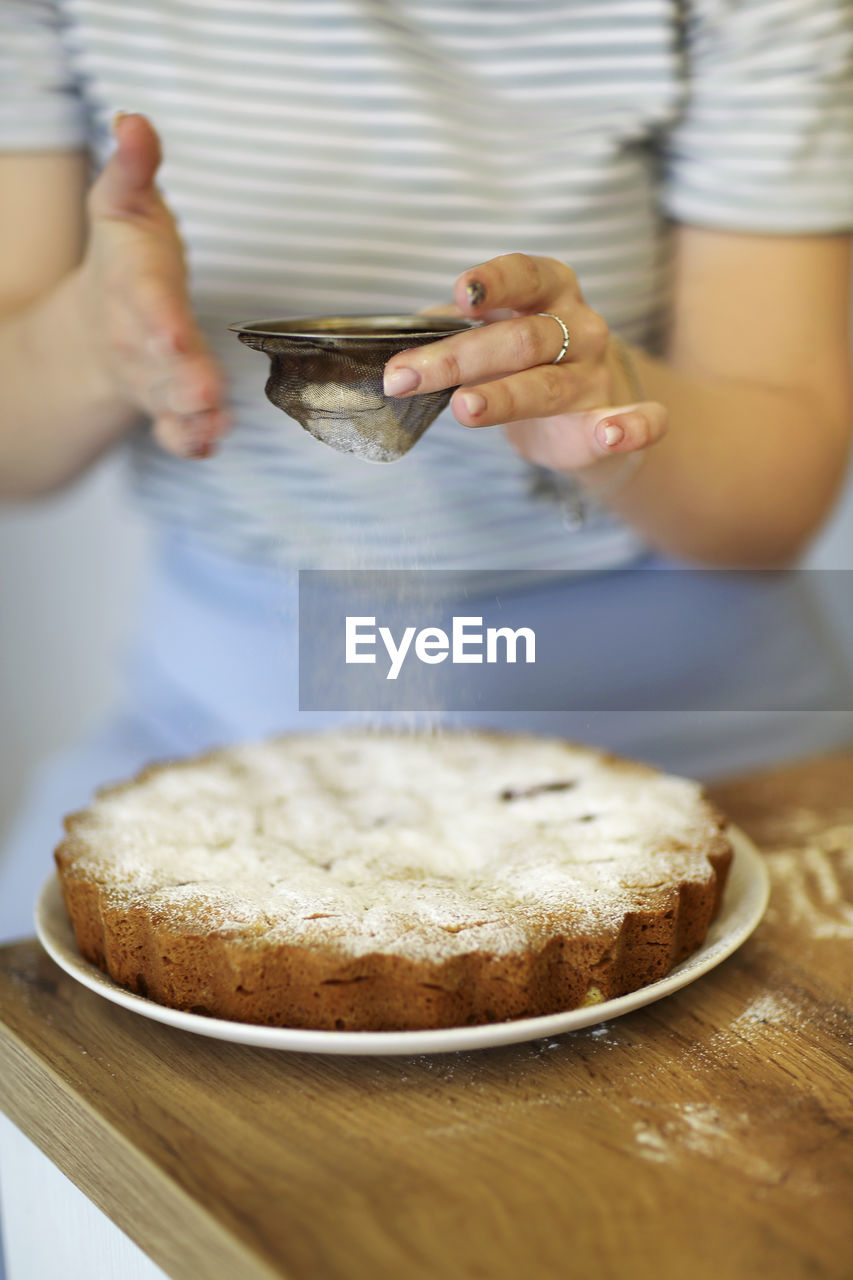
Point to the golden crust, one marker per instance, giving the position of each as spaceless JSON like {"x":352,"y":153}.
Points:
{"x":256,"y":978}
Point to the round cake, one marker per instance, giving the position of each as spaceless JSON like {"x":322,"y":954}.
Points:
{"x":370,"y":881}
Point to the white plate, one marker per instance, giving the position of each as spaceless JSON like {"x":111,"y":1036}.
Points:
{"x":743,"y":906}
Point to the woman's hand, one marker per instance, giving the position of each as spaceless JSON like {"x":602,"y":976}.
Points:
{"x":150,"y":353}
{"x":564,"y":415}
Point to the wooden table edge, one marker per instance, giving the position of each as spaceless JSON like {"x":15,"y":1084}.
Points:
{"x":169,"y":1225}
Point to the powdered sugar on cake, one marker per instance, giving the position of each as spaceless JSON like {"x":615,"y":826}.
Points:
{"x":418,"y":846}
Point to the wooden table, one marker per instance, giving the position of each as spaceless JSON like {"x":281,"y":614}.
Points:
{"x":705,"y":1136}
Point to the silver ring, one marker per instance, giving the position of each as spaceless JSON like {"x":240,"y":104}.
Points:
{"x":564,"y":348}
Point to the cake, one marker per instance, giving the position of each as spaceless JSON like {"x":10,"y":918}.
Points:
{"x":377,"y":881}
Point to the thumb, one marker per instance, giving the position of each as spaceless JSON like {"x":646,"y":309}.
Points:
{"x":125,"y":188}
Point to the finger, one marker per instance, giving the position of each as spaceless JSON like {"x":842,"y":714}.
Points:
{"x":174,"y":434}
{"x":158,"y":310}
{"x":508,"y":346}
{"x":185,"y":385}
{"x":517,"y":280}
{"x":542,"y":392}
{"x":631,"y":428}
{"x":196,"y":386}
{"x":573,"y":441}
{"x":189,"y":436}
{"x":159,"y":355}
{"x":444,"y":309}
{"x":158,"y":333}
{"x":126,"y":186}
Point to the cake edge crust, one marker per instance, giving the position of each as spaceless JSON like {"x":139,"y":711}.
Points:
{"x":324,"y":988}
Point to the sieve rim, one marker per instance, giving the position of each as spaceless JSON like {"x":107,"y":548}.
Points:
{"x":379,"y":327}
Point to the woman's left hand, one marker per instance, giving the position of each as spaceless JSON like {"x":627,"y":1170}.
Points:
{"x":563,"y":415}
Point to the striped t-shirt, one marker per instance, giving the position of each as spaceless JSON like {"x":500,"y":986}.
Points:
{"x":353,"y":156}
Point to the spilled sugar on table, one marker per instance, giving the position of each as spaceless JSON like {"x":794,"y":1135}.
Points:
{"x":706,"y":1135}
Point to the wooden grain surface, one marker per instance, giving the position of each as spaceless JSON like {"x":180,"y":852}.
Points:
{"x":706,"y":1136}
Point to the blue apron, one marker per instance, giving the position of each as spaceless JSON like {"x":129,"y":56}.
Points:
{"x":214,"y":660}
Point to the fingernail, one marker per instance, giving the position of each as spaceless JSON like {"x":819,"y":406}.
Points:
{"x":476,"y":293}
{"x":474,"y":403}
{"x":118,"y":116}
{"x":399,"y":381}
{"x":609,"y":434}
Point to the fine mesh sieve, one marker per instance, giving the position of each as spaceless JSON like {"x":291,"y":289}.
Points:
{"x":326,"y":372}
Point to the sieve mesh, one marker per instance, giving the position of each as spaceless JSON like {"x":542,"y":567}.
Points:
{"x":326,"y":372}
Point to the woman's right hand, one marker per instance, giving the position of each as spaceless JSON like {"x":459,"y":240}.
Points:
{"x":148,"y":346}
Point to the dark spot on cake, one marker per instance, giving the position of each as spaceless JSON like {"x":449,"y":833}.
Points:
{"x":141,"y":984}
{"x":339,"y":1024}
{"x":540,"y":788}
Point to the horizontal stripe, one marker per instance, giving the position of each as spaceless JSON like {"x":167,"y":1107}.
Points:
{"x":354,"y":156}
{"x":612,"y":228}
{"x":587,"y":65}
{"x":297,"y":91}
{"x":316,"y":12}
{"x":258,"y":246}
{"x":194,"y":154}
